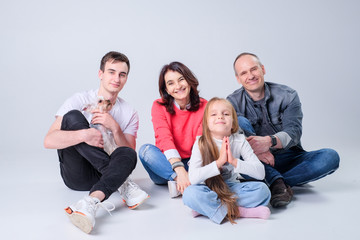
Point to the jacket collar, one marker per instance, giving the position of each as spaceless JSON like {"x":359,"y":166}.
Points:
{"x":267,"y":93}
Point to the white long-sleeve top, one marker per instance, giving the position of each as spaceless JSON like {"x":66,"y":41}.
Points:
{"x":250,"y":165}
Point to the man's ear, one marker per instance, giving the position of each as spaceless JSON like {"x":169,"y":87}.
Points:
{"x":100,"y":74}
{"x":263,"y":69}
{"x":238,"y":79}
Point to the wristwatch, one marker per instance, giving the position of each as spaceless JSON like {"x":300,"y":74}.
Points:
{"x":273,"y":140}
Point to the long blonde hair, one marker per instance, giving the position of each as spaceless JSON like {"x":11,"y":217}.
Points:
{"x":209,"y":153}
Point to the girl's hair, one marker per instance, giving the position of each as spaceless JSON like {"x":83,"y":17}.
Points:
{"x":209,"y":153}
{"x":167,"y":99}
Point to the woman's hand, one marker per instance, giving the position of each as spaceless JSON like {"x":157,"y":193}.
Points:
{"x":182,"y":179}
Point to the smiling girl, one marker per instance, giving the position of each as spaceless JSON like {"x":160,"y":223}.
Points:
{"x":220,"y":162}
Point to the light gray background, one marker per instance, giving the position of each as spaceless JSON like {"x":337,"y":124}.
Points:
{"x":52,"y":49}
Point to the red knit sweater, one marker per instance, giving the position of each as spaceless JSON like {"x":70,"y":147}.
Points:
{"x":177,"y":131}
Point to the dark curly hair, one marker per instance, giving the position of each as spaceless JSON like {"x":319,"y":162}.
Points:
{"x":168,"y":100}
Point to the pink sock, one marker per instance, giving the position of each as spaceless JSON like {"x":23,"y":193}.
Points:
{"x":195,"y":213}
{"x":262,"y":212}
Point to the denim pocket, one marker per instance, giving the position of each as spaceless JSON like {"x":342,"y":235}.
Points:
{"x":276,"y":120}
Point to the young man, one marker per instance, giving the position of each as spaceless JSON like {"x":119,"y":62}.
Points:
{"x":270,"y":115}
{"x":84,"y":164}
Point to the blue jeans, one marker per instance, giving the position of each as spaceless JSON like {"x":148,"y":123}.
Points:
{"x":203,"y":200}
{"x":156,"y":164}
{"x":297,"y":166}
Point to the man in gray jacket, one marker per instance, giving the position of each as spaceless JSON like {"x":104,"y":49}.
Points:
{"x":270,"y":115}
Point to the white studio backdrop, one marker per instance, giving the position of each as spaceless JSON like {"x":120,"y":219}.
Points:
{"x":52,"y":49}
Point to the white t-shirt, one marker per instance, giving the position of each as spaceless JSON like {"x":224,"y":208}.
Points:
{"x":122,"y":112}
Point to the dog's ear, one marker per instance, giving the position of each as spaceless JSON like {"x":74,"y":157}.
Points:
{"x":108,"y":105}
{"x":87,"y":108}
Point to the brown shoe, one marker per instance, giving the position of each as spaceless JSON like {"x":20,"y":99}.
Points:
{"x":281,"y":194}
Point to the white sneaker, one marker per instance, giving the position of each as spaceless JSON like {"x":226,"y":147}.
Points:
{"x":173,"y":189}
{"x":131,"y":194}
{"x":82,"y":214}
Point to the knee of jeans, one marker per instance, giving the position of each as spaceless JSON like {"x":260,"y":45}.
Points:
{"x":265,"y":191}
{"x":262,"y":195}
{"x":332,"y":158}
{"x":246,"y":126}
{"x":74,"y":120}
{"x":143,"y":149}
{"x":146,"y":151}
{"x":72,"y":115}
{"x":262,"y":191}
{"x":128,"y":152}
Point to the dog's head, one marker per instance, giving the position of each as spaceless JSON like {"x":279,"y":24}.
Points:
{"x":101,"y":104}
{"x":104,"y":105}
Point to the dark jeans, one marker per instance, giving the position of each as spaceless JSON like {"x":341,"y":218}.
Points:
{"x":88,"y":168}
{"x":297,"y":166}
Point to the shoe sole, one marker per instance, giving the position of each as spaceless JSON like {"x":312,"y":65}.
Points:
{"x":282,"y":203}
{"x":137,"y":204}
{"x":79,"y":220}
{"x":279,"y":204}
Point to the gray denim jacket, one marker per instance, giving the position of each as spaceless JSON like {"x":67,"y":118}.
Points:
{"x":283,"y":111}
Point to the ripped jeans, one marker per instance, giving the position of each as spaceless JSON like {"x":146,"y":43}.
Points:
{"x":156,"y":164}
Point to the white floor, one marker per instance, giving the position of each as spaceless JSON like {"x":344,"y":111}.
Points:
{"x":34,"y":197}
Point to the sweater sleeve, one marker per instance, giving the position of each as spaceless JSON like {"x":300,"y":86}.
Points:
{"x":163,"y":135}
{"x":197,"y":172}
{"x":251,"y":165}
{"x":292,"y":122}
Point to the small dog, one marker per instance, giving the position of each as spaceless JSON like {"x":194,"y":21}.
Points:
{"x":108,"y":137}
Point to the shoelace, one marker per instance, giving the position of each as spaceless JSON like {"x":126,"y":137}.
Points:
{"x":128,"y":187}
{"x":92,"y":206}
{"x":131,"y":187}
{"x":103,"y":206}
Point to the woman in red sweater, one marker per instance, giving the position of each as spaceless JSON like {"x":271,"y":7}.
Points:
{"x":176,"y":118}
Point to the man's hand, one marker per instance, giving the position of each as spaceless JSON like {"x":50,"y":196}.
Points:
{"x":93,"y":137}
{"x":267,"y":158}
{"x":259,"y":144}
{"x":104,"y":119}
